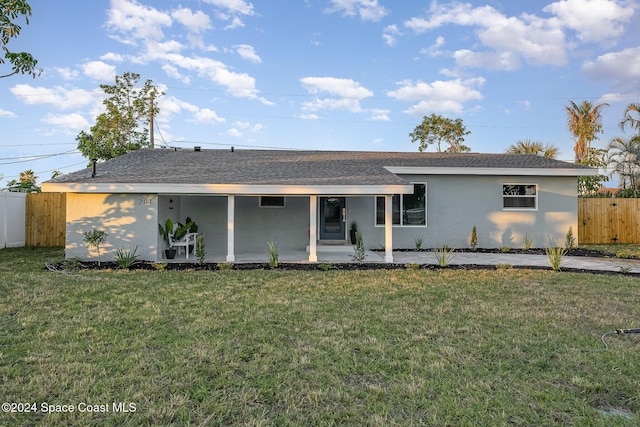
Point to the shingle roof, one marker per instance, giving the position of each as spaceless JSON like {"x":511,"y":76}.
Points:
{"x":279,"y":167}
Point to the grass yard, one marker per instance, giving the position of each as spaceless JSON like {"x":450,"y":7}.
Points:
{"x":620,"y":250}
{"x":400,"y":347}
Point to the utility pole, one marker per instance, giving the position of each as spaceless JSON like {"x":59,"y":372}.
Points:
{"x":151,"y":121}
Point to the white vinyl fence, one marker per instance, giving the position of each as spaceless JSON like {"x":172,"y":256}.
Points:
{"x":13,"y":213}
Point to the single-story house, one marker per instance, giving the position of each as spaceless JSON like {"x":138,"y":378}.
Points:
{"x":243,"y":199}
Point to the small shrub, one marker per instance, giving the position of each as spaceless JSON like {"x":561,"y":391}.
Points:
{"x":624,"y":270}
{"x":224,"y":266}
{"x":95,"y":238}
{"x":125,"y":258}
{"x":528,"y":241}
{"x":418,"y":243}
{"x":474,"y":238}
{"x":73,"y":264}
{"x":443,"y":255}
{"x":201,"y":252}
{"x":325,"y":266}
{"x":159,"y":266}
{"x":570,"y":241}
{"x":555,"y":255}
{"x":624,"y":255}
{"x":505,"y":249}
{"x":272,"y":254}
{"x":360,"y":252}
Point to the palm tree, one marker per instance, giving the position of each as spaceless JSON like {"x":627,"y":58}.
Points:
{"x":527,"y":146}
{"x":624,"y":158}
{"x":585,"y":123}
{"x":628,"y":118}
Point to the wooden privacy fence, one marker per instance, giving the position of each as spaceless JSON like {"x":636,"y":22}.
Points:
{"x":46,"y":219}
{"x":608,"y":220}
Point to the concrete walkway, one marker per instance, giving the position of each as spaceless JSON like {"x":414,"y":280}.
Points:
{"x":471,"y":258}
{"x":344,"y":254}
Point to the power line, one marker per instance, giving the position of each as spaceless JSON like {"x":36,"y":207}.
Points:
{"x":35,"y":158}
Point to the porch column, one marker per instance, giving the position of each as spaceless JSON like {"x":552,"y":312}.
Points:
{"x":388,"y":228}
{"x":231,"y":208}
{"x":313,"y":226}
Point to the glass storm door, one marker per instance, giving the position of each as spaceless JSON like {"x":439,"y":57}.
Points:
{"x":333,"y":218}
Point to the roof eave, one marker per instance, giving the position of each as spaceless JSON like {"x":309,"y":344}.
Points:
{"x":417,"y":170}
{"x":226,"y":189}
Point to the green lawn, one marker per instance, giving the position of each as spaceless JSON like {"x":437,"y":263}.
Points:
{"x":401,"y":347}
{"x":621,"y":250}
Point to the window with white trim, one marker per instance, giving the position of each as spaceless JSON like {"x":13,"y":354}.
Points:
{"x":520,"y":196}
{"x":272,"y":201}
{"x":408,"y":209}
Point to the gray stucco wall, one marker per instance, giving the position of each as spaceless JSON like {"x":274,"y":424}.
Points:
{"x":128,"y":219}
{"x":456,"y":203}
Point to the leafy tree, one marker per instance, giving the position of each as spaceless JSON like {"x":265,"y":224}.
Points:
{"x":436,"y":129}
{"x":124,"y":126}
{"x":624,"y":158}
{"x":21,"y":62}
{"x":527,"y":146}
{"x":95,"y":238}
{"x":589,"y":186}
{"x":26,"y":183}
{"x":585,"y":123}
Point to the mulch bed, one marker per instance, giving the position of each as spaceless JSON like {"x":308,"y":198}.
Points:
{"x":352,"y":266}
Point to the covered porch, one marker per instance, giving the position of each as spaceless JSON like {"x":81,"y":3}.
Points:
{"x":305,"y":228}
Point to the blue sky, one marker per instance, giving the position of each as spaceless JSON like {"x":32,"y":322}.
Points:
{"x":320,"y":74}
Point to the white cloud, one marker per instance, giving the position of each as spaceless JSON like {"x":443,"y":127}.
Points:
{"x":57,"y":96}
{"x":67,"y":73}
{"x":195,"y":22}
{"x":235,"y":23}
{"x":443,"y":96}
{"x":389,"y":35}
{"x":70,"y":123}
{"x":613,"y":98}
{"x":622,"y":67}
{"x":348,"y":93}
{"x":309,"y":116}
{"x":349,"y":104}
{"x":99,"y":70}
{"x":596,"y":21}
{"x":234,"y":132}
{"x":233,"y":6}
{"x":174,"y":73}
{"x":240,"y":85}
{"x":336,"y":86}
{"x":247,"y":52}
{"x":508,"y":39}
{"x":171,"y":106}
{"x":5,"y":113}
{"x":113,"y":57}
{"x":367,"y":10}
{"x":526,"y":104}
{"x":205,"y":115}
{"x":434,"y":49}
{"x":132,"y":18}
{"x":380,"y":115}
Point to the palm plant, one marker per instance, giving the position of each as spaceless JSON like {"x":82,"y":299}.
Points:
{"x":629,"y":119}
{"x":624,"y":159}
{"x":527,"y":146}
{"x":585,"y":123}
